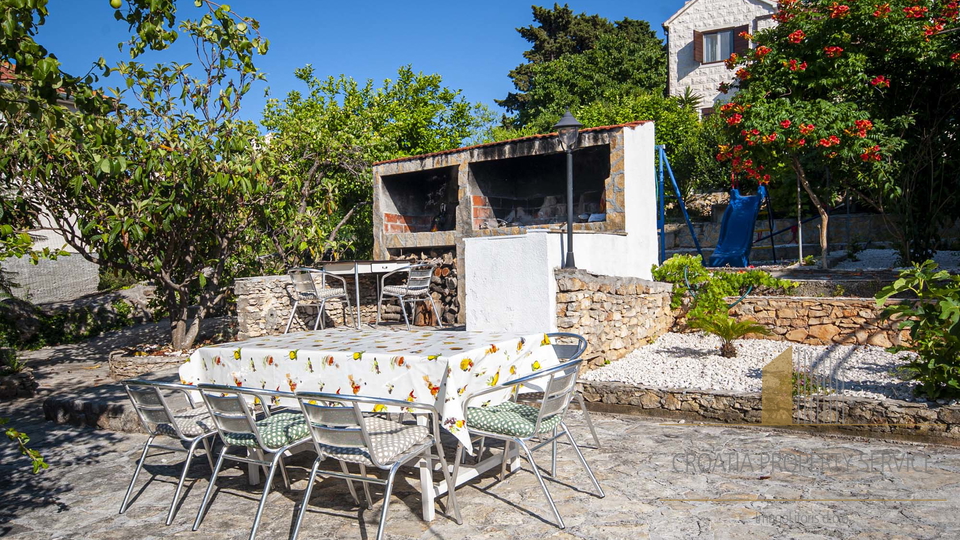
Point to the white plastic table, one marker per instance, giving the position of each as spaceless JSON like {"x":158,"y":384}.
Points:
{"x":361,"y":267}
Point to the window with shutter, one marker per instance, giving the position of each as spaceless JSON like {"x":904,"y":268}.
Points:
{"x":740,"y":44}
{"x":698,"y":46}
{"x":714,"y":46}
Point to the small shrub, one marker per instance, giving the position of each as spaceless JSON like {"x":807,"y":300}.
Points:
{"x":932,"y":321}
{"x":727,"y":329}
{"x":709,"y":288}
{"x":809,"y":260}
{"x":10,"y":363}
{"x":807,"y":384}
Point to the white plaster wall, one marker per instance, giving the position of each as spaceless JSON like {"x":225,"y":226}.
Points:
{"x":703,"y":16}
{"x":640,"y":197}
{"x":510,"y":286}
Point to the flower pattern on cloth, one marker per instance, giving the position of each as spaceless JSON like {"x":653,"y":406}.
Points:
{"x":432,"y":367}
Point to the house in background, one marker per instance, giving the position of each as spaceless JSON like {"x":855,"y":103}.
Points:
{"x":702,"y":35}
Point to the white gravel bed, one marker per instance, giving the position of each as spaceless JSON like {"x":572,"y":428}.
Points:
{"x":882,"y":259}
{"x":693,"y":361}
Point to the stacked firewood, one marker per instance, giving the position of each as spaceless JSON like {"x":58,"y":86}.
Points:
{"x":443,"y":286}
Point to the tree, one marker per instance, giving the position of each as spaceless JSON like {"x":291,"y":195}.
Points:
{"x":329,"y":140}
{"x":578,"y":59}
{"x":867,"y":91}
{"x":164,"y":189}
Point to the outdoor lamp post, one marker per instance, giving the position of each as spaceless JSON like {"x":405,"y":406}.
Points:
{"x":568,"y":131}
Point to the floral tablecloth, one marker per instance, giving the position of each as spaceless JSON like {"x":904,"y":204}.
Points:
{"x":432,"y":367}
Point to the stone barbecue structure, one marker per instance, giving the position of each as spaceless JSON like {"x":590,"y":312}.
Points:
{"x":435,"y":201}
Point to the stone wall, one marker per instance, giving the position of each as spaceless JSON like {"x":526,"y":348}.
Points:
{"x":615,"y":314}
{"x":860,"y":416}
{"x":821,"y":321}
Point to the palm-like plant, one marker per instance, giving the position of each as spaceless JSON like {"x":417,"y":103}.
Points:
{"x":727,"y":329}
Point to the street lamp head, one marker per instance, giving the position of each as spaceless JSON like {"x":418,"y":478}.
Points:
{"x":568,"y":129}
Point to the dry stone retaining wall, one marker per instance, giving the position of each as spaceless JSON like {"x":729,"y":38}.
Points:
{"x":821,"y":321}
{"x":615,"y":314}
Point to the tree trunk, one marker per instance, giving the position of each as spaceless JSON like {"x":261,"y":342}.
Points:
{"x":183,"y":331}
{"x":728,"y":350}
{"x":821,"y":209}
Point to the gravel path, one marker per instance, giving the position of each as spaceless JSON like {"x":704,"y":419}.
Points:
{"x":693,"y":361}
{"x":881,"y":259}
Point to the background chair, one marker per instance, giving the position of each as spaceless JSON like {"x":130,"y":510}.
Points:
{"x":191,"y":426}
{"x":306,"y":293}
{"x":267,"y":439}
{"x":341,"y":431}
{"x":416,"y":288}
{"x":517,"y":423}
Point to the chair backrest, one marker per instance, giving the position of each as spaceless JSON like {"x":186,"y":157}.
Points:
{"x":336,"y":420}
{"x":229,"y":409}
{"x":418,"y":278}
{"x":304,"y":286}
{"x":151,"y":405}
{"x":559,"y":390}
{"x":567,"y":351}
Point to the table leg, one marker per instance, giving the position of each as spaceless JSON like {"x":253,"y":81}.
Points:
{"x":427,"y":491}
{"x":356,"y":285}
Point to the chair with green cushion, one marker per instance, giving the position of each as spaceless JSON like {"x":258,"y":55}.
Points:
{"x":191,"y":425}
{"x":342,"y":430}
{"x":265,"y":439}
{"x":517,"y":423}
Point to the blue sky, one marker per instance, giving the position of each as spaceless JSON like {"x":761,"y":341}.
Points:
{"x":472,"y":45}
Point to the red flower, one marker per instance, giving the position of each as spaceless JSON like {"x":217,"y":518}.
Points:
{"x":731,"y":61}
{"x":880,"y":81}
{"x":797,"y":36}
{"x":931,"y":29}
{"x":735,"y":119}
{"x":838,"y":11}
{"x":830,"y":141}
{"x":745,"y":35}
{"x":916,"y":12}
{"x":833,"y":52}
{"x":785,"y":124}
{"x":724,"y":88}
{"x":871,"y":154}
{"x":955,"y":57}
{"x":762,"y":51}
{"x":882,"y":10}
{"x":806,"y":129}
{"x":743,"y":74}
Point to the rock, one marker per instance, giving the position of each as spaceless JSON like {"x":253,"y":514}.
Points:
{"x":879,"y":339}
{"x":797,"y":335}
{"x":824,"y":332}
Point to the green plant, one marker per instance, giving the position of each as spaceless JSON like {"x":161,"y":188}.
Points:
{"x":807,"y":384}
{"x":853,"y":249}
{"x":22,"y":439}
{"x":727,"y":329}
{"x":932,"y":321}
{"x":809,"y":260}
{"x":10,"y":363}
{"x":114,"y":280}
{"x":124,"y":310}
{"x":708,"y":289}
{"x":838,"y":290}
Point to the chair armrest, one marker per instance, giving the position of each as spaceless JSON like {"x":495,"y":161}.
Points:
{"x":383,"y":279}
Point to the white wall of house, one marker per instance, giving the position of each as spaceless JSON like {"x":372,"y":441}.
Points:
{"x":510,"y":281}
{"x":706,"y":16}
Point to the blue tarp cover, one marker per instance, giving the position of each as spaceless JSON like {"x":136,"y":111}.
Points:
{"x":736,"y":229}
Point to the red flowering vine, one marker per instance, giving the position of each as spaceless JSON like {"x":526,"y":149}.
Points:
{"x":871,"y":154}
{"x":806,"y":129}
{"x":732,"y":61}
{"x":833,"y":52}
{"x":916,"y":12}
{"x":882,"y":10}
{"x":743,"y":74}
{"x":880,"y":81}
{"x":955,"y":57}
{"x":735,"y":119}
{"x":860,"y":128}
{"x":785,"y":124}
{"x":762,"y":51}
{"x":830,"y":141}
{"x":794,"y":66}
{"x":797,"y":36}
{"x":838,"y":11}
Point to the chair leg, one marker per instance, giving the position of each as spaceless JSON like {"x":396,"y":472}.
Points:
{"x":582,"y":460}
{"x":503,"y":462}
{"x":586,"y":416}
{"x":183,"y":476}
{"x":379,"y":306}
{"x":213,"y":482}
{"x":553,"y":453}
{"x":136,"y":472}
{"x":293,"y":313}
{"x":306,"y":498}
{"x":435,"y":310}
{"x":366,"y":486}
{"x":350,"y":486}
{"x":346,"y":301}
{"x":208,"y":451}
{"x":403,"y":309}
{"x":536,"y":471}
{"x":451,"y":485}
{"x":319,"y":320}
{"x":386,"y":499}
{"x":263,"y":498}
{"x":283,"y":473}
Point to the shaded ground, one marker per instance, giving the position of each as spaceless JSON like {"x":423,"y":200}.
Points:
{"x":662,"y":480}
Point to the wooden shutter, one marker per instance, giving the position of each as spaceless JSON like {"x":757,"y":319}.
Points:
{"x":705,"y":112}
{"x":698,"y":46}
{"x":740,"y":44}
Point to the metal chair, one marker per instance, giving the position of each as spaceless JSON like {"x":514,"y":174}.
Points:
{"x":517,"y":423}
{"x":237,"y":425}
{"x":191,"y":426}
{"x":572,"y":351}
{"x":415,"y":289}
{"x":342,"y":431}
{"x":306,"y":293}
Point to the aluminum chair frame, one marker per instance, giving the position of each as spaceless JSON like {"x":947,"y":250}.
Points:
{"x":307,"y":294}
{"x":232,"y":421}
{"x":416,"y":287}
{"x":566,"y":352}
{"x":340,"y":422}
{"x":153,"y":414}
{"x":558,"y":391}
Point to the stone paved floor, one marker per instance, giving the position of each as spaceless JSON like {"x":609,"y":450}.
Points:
{"x":661,"y":481}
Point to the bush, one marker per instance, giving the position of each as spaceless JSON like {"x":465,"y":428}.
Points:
{"x":727,"y":329}
{"x":708,"y":289}
{"x":932,"y":323}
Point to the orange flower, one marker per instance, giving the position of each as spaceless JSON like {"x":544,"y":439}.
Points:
{"x":882,"y":10}
{"x":916,"y":12}
{"x":797,"y":36}
{"x":833,"y":52}
{"x":838,"y":11}
{"x":806,"y":129}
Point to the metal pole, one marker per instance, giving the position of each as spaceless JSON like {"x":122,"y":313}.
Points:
{"x":569,"y":262}
{"x":799,"y":225}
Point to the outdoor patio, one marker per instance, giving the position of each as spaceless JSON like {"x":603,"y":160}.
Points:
{"x":659,"y":479}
